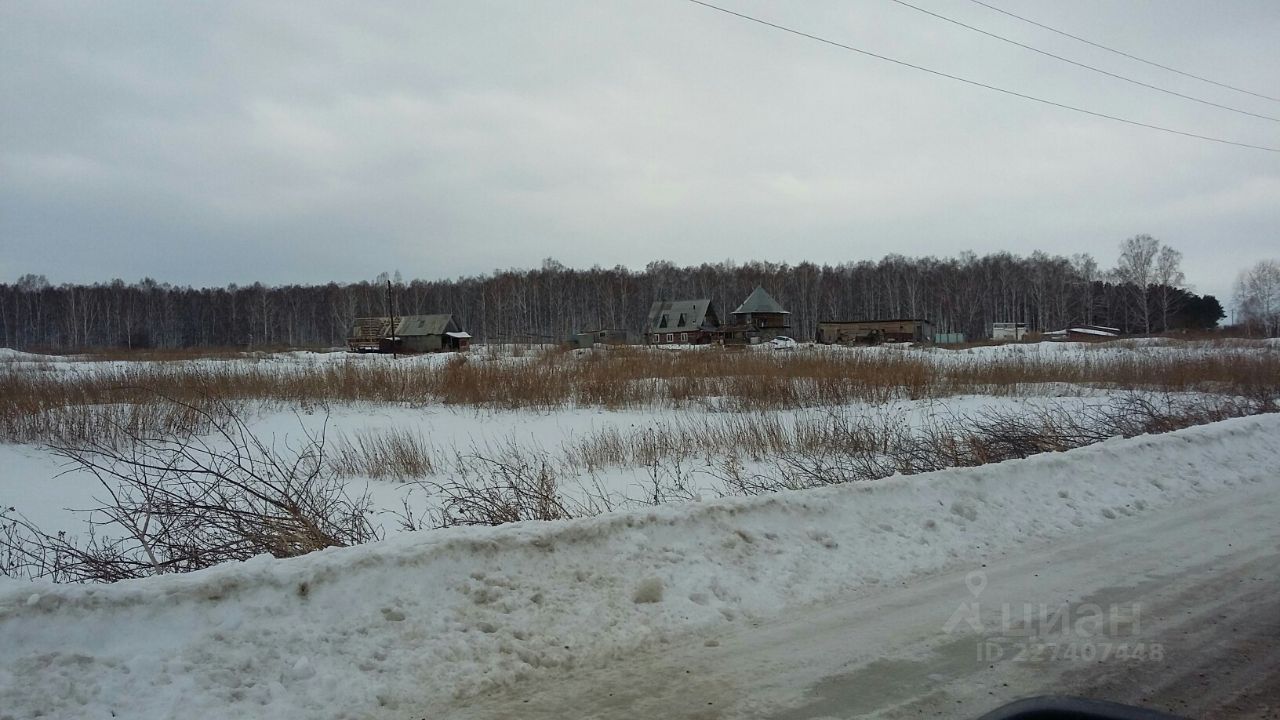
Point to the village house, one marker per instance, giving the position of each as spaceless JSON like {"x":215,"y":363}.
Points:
{"x":682,"y":321}
{"x":758,"y":319}
{"x":872,"y":332}
{"x":408,"y":334}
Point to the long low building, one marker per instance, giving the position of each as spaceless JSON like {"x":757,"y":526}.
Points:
{"x":408,"y":334}
{"x":870,"y":332}
{"x":1084,"y":333}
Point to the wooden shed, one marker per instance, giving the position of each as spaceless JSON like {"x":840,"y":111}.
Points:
{"x":408,"y":334}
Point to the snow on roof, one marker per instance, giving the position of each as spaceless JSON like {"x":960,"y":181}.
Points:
{"x":459,"y":335}
{"x":424,"y":618}
{"x":1095,"y":330}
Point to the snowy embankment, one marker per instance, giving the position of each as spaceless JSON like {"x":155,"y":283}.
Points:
{"x":384,"y":630}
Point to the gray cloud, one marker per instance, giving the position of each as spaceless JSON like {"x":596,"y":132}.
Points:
{"x":233,"y":142}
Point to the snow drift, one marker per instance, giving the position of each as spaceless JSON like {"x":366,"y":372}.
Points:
{"x":385,"y":630}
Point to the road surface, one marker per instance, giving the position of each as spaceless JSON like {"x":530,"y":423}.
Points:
{"x":1176,"y":610}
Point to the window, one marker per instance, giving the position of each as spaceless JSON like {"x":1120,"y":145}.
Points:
{"x":657,"y":338}
{"x":670,"y":337}
{"x":684,"y":337}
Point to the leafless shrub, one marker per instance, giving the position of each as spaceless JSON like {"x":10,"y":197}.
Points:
{"x":181,"y":503}
{"x":497,"y":485}
{"x":858,"y":450}
{"x":669,"y":479}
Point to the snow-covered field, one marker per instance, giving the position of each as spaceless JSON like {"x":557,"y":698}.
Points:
{"x":49,"y":491}
{"x":54,"y":493}
{"x":394,"y":628}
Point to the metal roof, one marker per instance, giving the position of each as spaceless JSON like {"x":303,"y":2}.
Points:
{"x":411,"y":325}
{"x":424,"y":324}
{"x":693,"y":313}
{"x":760,"y":301}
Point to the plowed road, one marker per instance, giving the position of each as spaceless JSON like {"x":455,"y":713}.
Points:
{"x":1177,"y":610}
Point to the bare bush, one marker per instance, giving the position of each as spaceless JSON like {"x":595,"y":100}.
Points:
{"x":856,"y":449}
{"x":499,"y":485}
{"x":181,"y":503}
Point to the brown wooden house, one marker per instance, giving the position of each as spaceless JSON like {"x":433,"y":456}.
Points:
{"x":682,"y":321}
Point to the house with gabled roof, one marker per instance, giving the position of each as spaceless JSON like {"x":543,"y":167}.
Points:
{"x":682,"y":321}
{"x":408,"y":334}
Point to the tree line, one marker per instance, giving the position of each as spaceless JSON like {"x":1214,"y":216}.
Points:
{"x":962,"y":294}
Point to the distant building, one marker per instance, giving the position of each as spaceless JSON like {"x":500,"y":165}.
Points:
{"x":1084,"y":333}
{"x":1009,"y":331}
{"x":408,"y":334}
{"x":610,"y":336}
{"x":954,"y":338}
{"x":758,"y":319}
{"x":872,"y":332}
{"x":682,"y":321}
{"x":614,"y":336}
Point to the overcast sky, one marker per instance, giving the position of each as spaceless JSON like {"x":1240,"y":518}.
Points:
{"x":210,"y":143}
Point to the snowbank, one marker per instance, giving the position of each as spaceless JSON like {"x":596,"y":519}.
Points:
{"x":384,"y":630}
{"x":11,"y":355}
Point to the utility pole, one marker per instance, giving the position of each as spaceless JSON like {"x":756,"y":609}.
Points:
{"x":391,"y":316}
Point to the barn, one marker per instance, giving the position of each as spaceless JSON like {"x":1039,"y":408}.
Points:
{"x":408,"y":334}
{"x":849,"y":332}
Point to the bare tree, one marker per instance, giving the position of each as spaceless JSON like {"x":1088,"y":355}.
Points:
{"x":1168,"y":277}
{"x":1136,"y":268}
{"x":959,"y":295}
{"x":1257,"y":296}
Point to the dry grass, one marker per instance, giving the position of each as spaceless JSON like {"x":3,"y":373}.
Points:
{"x":394,"y":454}
{"x":39,"y":403}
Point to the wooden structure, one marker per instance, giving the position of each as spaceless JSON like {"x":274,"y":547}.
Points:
{"x":613,"y":336}
{"x":408,"y":334}
{"x":873,"y":332}
{"x":682,"y":321}
{"x":758,"y":319}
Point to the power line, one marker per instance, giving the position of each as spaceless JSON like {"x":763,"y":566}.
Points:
{"x":976,"y":83}
{"x":1122,"y":53}
{"x":1046,"y":53}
